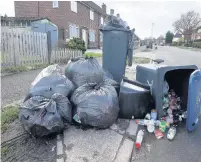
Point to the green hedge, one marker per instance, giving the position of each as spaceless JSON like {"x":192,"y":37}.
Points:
{"x":176,"y":44}
{"x":196,"y":44}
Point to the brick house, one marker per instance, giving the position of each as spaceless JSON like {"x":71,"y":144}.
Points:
{"x":196,"y":34}
{"x":73,"y":18}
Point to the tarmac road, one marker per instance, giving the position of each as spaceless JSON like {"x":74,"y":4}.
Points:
{"x":178,"y":56}
{"x":187,"y":145}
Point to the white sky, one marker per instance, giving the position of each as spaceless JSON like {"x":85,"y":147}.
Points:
{"x":138,"y":14}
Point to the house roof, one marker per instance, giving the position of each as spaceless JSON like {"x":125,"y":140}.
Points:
{"x":94,"y":6}
{"x":177,"y":35}
{"x":5,"y":18}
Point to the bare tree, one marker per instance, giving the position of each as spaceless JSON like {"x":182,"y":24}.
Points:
{"x":187,"y":23}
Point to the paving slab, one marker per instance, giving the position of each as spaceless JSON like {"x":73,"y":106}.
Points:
{"x":91,"y":145}
{"x":132,"y":129}
{"x":125,"y":151}
{"x":120,"y":126}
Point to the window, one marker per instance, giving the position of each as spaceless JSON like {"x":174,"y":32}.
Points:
{"x":101,"y":37}
{"x":91,"y":15}
{"x":102,"y":20}
{"x":74,"y":6}
{"x":55,"y":4}
{"x":92,"y":36}
{"x":73,"y":31}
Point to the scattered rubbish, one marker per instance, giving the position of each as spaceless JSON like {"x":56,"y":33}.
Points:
{"x":169,"y":120}
{"x":171,"y":133}
{"x":173,"y":114}
{"x":158,"y":134}
{"x":145,"y":122}
{"x":148,"y":116}
{"x":163,"y":126}
{"x":53,"y":148}
{"x":150,"y":126}
{"x":139,"y":139}
{"x":149,"y":147}
{"x":153,"y":114}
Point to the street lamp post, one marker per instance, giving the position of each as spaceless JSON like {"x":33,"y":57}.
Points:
{"x":152,"y":26}
{"x":152,"y":30}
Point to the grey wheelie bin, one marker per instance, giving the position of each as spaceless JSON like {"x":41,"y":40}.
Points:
{"x":117,"y":49}
{"x":185,"y":80}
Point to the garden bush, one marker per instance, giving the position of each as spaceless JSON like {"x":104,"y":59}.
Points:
{"x":76,"y":43}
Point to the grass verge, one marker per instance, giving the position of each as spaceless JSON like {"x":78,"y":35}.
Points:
{"x":4,"y":150}
{"x":8,"y":115}
{"x":141,"y":60}
{"x":92,"y":54}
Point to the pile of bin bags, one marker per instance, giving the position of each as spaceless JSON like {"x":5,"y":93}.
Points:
{"x":91,"y":91}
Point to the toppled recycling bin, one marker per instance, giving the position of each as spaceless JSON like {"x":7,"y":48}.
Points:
{"x":50,"y":81}
{"x":84,"y":70}
{"x":41,"y":116}
{"x":95,"y":105}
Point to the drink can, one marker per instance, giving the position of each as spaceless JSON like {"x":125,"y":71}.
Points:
{"x":153,"y":114}
{"x":162,"y":126}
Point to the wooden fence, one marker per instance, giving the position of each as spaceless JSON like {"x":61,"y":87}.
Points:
{"x":63,"y":55}
{"x":22,"y":47}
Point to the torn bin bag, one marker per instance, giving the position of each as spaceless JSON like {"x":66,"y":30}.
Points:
{"x":50,"y":81}
{"x":41,"y":116}
{"x":96,"y":105}
{"x":51,"y":70}
{"x":84,"y":70}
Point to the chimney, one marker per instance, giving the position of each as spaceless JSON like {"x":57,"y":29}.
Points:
{"x":111,"y":11}
{"x":104,"y":8}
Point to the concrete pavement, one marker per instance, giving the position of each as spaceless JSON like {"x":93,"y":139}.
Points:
{"x":114,"y":144}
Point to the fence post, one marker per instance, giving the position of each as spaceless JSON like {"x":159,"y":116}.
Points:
{"x":49,"y":46}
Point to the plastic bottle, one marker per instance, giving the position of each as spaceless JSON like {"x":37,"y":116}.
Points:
{"x":171,"y":133}
{"x":146,"y":122}
{"x":142,"y":121}
{"x":139,"y":138}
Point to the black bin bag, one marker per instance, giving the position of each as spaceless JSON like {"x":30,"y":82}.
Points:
{"x":95,"y":105}
{"x":50,"y":81}
{"x":108,"y":80}
{"x":84,"y":70}
{"x":41,"y":116}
